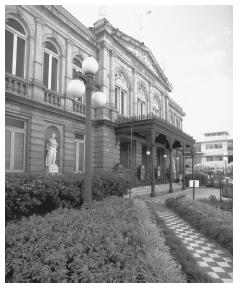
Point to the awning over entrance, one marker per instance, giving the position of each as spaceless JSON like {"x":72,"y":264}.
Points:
{"x":156,"y":130}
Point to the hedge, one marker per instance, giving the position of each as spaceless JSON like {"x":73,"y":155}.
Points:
{"x":202,"y":177}
{"x":101,"y":244}
{"x":26,"y":194}
{"x":214,"y":223}
{"x":155,"y":262}
{"x":225,"y":205}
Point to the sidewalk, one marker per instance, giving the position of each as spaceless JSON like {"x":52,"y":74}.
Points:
{"x":162,"y":192}
{"x":214,"y":261}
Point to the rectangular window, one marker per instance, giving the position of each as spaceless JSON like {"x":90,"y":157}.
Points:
{"x":15,"y":145}
{"x":46,"y":69}
{"x":20,"y":57}
{"x":8,"y":51}
{"x":18,"y":150}
{"x":7,"y":149}
{"x":54,"y":74}
{"x":122,"y":103}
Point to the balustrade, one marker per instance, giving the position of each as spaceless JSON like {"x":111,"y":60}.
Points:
{"x":16,"y":85}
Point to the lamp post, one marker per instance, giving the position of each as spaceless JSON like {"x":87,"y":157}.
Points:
{"x":165,"y":173}
{"x":148,"y":154}
{"x":77,"y":89}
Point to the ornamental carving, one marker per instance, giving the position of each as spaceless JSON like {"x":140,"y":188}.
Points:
{"x":121,"y":81}
{"x":141,"y":92}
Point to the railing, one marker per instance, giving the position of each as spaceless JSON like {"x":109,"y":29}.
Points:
{"x":124,"y":119}
{"x":79,"y":107}
{"x":16,"y":85}
{"x":53,"y":98}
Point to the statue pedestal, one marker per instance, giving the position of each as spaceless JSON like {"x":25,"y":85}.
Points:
{"x":52,"y":169}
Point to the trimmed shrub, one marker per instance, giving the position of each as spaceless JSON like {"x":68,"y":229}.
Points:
{"x":226,"y":205}
{"x":155,"y":262}
{"x":213,"y":222}
{"x":111,"y":242}
{"x":202,"y":177}
{"x":39,"y":194}
{"x":67,"y":245}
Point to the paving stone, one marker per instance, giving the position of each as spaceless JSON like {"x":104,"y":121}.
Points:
{"x":212,"y":260}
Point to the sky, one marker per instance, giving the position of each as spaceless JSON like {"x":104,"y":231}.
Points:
{"x":193,"y":45}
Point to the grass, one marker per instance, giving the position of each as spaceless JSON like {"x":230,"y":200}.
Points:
{"x":190,"y":268}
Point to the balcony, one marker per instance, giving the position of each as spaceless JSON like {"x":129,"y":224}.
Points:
{"x":53,"y":98}
{"x":145,"y":121}
{"x":79,"y":107}
{"x":16,"y":85}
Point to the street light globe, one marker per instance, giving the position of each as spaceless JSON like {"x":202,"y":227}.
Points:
{"x":99,"y":99}
{"x":165,"y":156}
{"x":76,"y":88}
{"x":90,"y":65}
{"x":148,"y":153}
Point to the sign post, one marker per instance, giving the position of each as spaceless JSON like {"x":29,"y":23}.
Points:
{"x":194,"y":184}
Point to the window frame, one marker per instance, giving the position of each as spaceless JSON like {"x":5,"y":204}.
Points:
{"x":13,"y":130}
{"x":17,"y":34}
{"x":51,"y":55}
{"x":118,"y":96}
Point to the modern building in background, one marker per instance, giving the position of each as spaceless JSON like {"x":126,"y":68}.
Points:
{"x":45,"y":47}
{"x":214,"y":151}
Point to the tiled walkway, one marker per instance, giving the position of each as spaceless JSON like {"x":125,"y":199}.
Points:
{"x":212,"y":259}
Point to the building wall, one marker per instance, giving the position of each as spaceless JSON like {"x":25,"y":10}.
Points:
{"x":41,"y":108}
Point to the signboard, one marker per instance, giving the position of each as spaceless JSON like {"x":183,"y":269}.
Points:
{"x":191,"y":183}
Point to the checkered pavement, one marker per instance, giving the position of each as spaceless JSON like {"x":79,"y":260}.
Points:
{"x":212,"y":259}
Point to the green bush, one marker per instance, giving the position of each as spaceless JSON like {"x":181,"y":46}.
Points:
{"x":111,"y":242}
{"x":155,"y":263}
{"x":26,"y":194}
{"x":213,"y":222}
{"x":202,"y":177}
{"x":67,"y":245}
{"x":226,"y":205}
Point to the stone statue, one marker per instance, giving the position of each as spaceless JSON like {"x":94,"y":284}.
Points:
{"x":51,"y":152}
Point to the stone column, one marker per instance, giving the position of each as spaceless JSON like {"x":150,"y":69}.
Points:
{"x":102,"y":77}
{"x":166,"y":107}
{"x":152,"y":143}
{"x":69,"y":59}
{"x":38,"y":61}
{"x":150,"y":110}
{"x":134,"y":93}
{"x":112,"y":79}
{"x":183,"y":167}
{"x":171,"y":166}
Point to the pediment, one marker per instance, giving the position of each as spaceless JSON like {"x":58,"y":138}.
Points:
{"x":139,"y":50}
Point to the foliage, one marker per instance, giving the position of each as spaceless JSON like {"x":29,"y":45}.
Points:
{"x":202,"y":177}
{"x":181,"y":254}
{"x":107,"y":243}
{"x":39,"y":194}
{"x":226,"y":205}
{"x":214,"y":223}
{"x":155,"y":263}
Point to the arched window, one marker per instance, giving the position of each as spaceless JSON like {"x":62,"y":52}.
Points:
{"x":156,"y":106}
{"x":15,"y":46}
{"x":121,"y":92}
{"x":141,"y":101}
{"x":50,"y":69}
{"x":77,"y":67}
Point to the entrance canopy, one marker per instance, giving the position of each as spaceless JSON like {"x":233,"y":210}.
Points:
{"x":155,"y":130}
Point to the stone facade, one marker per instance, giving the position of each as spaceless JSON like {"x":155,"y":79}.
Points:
{"x":128,"y":74}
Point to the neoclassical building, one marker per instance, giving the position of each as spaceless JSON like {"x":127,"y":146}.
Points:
{"x":45,"y":47}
